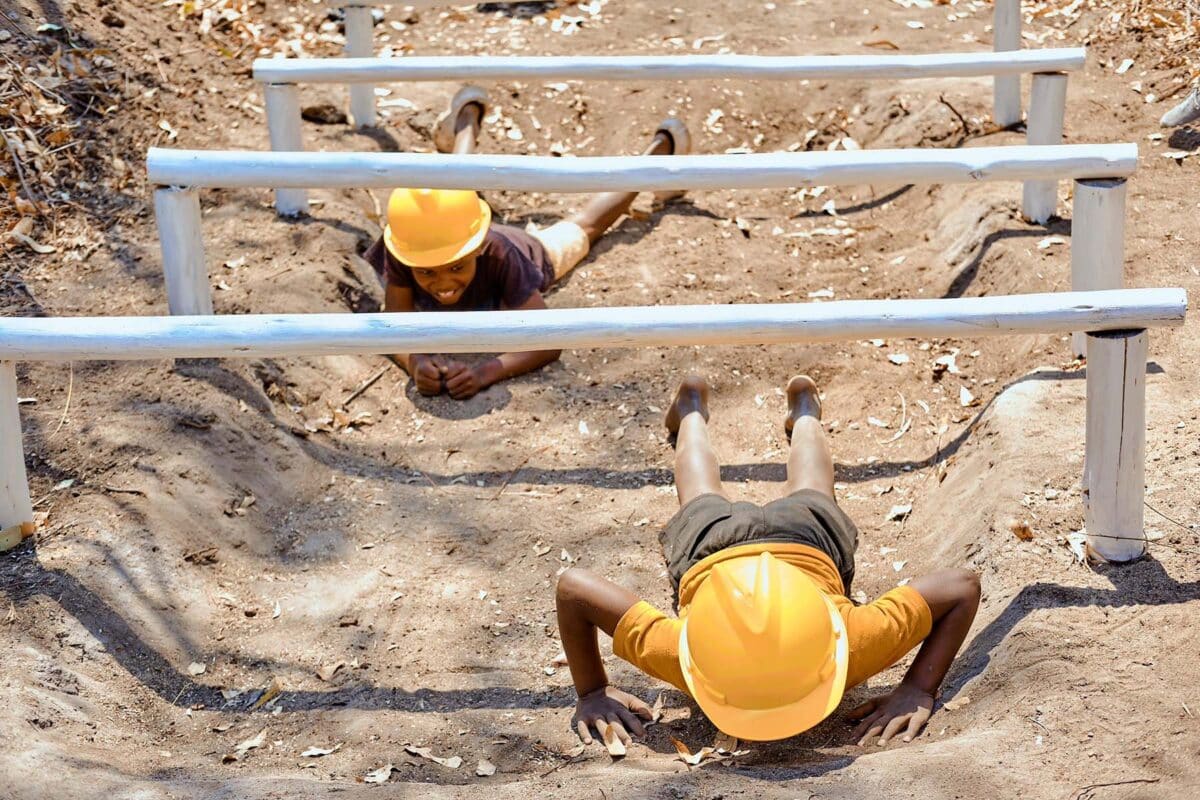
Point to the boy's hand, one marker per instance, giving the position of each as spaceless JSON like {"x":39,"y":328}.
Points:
{"x":425,"y":373}
{"x":618,"y":709}
{"x":906,"y":709}
{"x":467,"y":382}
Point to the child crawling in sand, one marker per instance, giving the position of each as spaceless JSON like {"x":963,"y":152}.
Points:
{"x":767,"y":639}
{"x":441,"y":251}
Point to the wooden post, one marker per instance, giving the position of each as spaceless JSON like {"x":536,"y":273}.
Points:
{"x":1047,"y":107}
{"x":1097,"y":241}
{"x":1006,"y":35}
{"x":1115,"y":463}
{"x":16,"y":509}
{"x":359,"y":32}
{"x":283,"y":125}
{"x":178,"y":213}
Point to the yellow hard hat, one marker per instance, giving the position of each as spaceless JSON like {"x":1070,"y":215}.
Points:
{"x":763,"y":650}
{"x":431,"y":227}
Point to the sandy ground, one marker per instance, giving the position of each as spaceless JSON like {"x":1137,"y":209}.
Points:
{"x":393,"y":579}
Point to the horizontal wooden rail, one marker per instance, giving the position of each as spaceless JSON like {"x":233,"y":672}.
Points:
{"x":262,"y":335}
{"x":302,"y":170}
{"x":633,"y":68}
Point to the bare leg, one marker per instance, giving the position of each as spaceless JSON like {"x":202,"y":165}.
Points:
{"x":466,"y":129}
{"x":696,"y":469}
{"x":603,"y":210}
{"x":810,"y":462}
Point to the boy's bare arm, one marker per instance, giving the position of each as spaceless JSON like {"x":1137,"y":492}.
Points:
{"x":586,"y":602}
{"x":953,"y":599}
{"x":467,"y":381}
{"x":424,"y":369}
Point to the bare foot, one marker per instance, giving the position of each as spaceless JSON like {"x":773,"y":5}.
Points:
{"x":804,"y":400}
{"x":692,"y":395}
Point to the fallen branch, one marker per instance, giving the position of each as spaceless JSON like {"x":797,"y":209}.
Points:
{"x":1086,"y":792}
{"x":362,"y":387}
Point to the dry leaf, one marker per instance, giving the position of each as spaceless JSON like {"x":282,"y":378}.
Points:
{"x":883,"y":43}
{"x":453,"y":762}
{"x":656,"y":711}
{"x":317,"y":752}
{"x":327,"y":672}
{"x":246,"y":746}
{"x":1020,"y":529}
{"x":724,"y":743}
{"x":380,"y":775}
{"x":689,"y":758}
{"x":612,"y":742}
{"x":485,"y":768}
{"x":957,"y":703}
{"x":270,"y":693}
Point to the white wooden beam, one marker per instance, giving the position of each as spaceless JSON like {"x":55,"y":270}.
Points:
{"x":360,"y":28}
{"x":1006,"y":36}
{"x":1097,"y":241}
{"x":284,"y":128}
{"x":247,"y":169}
{"x":16,"y":509}
{"x":1047,"y":109}
{"x":259,"y":336}
{"x":1115,"y":465}
{"x":645,"y":68}
{"x":177,"y":212}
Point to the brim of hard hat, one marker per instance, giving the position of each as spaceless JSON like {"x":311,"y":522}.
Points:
{"x":777,"y":723}
{"x":440,"y":255}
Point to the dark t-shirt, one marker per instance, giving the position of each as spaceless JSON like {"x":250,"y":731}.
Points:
{"x":511,"y":266}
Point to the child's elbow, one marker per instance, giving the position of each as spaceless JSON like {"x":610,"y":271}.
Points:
{"x":571,"y":584}
{"x":970,"y":589}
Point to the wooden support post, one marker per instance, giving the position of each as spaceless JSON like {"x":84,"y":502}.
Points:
{"x":283,"y":125}
{"x":1006,"y":35}
{"x":1047,"y":107}
{"x":359,"y":33}
{"x":178,"y":213}
{"x":1097,"y":242}
{"x":1115,"y":466}
{"x":16,"y":509}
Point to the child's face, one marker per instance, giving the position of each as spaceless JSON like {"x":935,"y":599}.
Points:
{"x":446,"y":283}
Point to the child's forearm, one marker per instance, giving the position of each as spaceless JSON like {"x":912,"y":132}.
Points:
{"x":510,"y":365}
{"x":402,"y":361}
{"x":953,"y":598}
{"x":587,"y":603}
{"x":580,"y":645}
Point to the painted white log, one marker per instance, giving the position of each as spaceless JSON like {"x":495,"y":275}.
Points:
{"x":359,"y":30}
{"x":1006,"y":36}
{"x":259,"y":336}
{"x":1097,"y":241}
{"x":645,"y":68}
{"x":246,"y":169}
{"x":16,"y":509}
{"x":177,"y":212}
{"x":1115,"y":465}
{"x":283,"y":126}
{"x":1047,"y":108}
